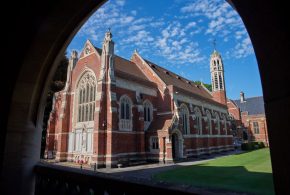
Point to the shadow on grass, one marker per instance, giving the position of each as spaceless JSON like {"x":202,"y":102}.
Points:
{"x":235,"y":178}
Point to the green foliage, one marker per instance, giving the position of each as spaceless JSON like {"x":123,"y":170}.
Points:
{"x":252,"y":145}
{"x":57,"y":84}
{"x":208,"y":86}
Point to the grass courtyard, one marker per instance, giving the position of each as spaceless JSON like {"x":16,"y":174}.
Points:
{"x":249,"y":172}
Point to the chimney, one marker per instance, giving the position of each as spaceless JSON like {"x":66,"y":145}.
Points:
{"x":242,"y":97}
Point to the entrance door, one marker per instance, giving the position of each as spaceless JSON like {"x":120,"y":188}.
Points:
{"x":175,"y":146}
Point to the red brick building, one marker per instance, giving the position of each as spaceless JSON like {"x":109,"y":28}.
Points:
{"x":114,"y":110}
{"x":249,"y":115}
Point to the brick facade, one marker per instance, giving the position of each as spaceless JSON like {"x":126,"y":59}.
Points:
{"x":249,"y":119}
{"x":117,"y":128}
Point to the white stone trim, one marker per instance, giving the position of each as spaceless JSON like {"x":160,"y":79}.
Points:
{"x":98,"y":96}
{"x":202,"y":103}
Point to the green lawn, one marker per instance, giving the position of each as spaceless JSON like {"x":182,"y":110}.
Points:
{"x":248,"y":172}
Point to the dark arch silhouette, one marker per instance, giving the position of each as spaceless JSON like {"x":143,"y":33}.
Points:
{"x":35,"y":33}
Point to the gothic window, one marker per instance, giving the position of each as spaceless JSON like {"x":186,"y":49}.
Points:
{"x":148,"y":114}
{"x":86,"y":105}
{"x":79,"y":111}
{"x":184,"y":114}
{"x":125,"y":122}
{"x":215,"y":81}
{"x":225,"y":123}
{"x":198,"y":121}
{"x":220,"y":81}
{"x":218,"y":125}
{"x":209,"y":127}
{"x":256,"y":127}
{"x":154,"y":143}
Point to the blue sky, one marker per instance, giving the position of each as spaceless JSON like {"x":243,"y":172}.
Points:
{"x":178,"y":35}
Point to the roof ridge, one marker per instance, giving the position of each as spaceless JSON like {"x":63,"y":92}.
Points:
{"x":246,"y":98}
{"x":115,"y":55}
{"x":170,"y":71}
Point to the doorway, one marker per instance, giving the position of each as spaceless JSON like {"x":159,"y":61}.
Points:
{"x":177,"y":149}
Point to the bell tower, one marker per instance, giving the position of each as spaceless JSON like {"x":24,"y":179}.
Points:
{"x":217,"y":77}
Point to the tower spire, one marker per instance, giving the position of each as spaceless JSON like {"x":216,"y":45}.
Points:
{"x":217,"y":76}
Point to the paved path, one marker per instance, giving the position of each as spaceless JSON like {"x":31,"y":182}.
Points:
{"x":148,"y":170}
{"x":144,"y":173}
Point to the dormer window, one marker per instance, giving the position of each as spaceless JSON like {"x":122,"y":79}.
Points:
{"x":152,"y":65}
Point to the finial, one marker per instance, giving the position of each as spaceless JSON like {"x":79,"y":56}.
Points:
{"x":214,"y":44}
{"x":135,"y":50}
{"x":108,"y":35}
{"x":74,"y":54}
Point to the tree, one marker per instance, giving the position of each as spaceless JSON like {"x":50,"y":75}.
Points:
{"x":57,"y":84}
{"x":208,"y":86}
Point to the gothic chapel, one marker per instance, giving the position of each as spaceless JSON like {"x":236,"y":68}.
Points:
{"x":114,"y":110}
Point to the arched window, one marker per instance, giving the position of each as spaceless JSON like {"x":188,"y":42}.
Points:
{"x":215,"y":81}
{"x":184,"y":116}
{"x":148,"y":114}
{"x":220,"y":81}
{"x":86,"y":97}
{"x":217,"y":125}
{"x":125,"y":122}
{"x":209,"y":127}
{"x":225,"y":123}
{"x":198,"y":121}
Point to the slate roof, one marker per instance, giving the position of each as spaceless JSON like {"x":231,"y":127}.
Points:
{"x":253,"y":105}
{"x":171,"y":78}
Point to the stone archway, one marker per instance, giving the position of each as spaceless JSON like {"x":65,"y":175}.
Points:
{"x":177,"y":145}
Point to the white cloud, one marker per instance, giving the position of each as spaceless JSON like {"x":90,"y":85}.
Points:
{"x":243,"y":49}
{"x":126,"y":19}
{"x":136,"y":27}
{"x":174,"y":45}
{"x":223,"y":23}
{"x":120,"y":2}
{"x":174,"y":39}
{"x":142,"y":37}
{"x":190,"y":25}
